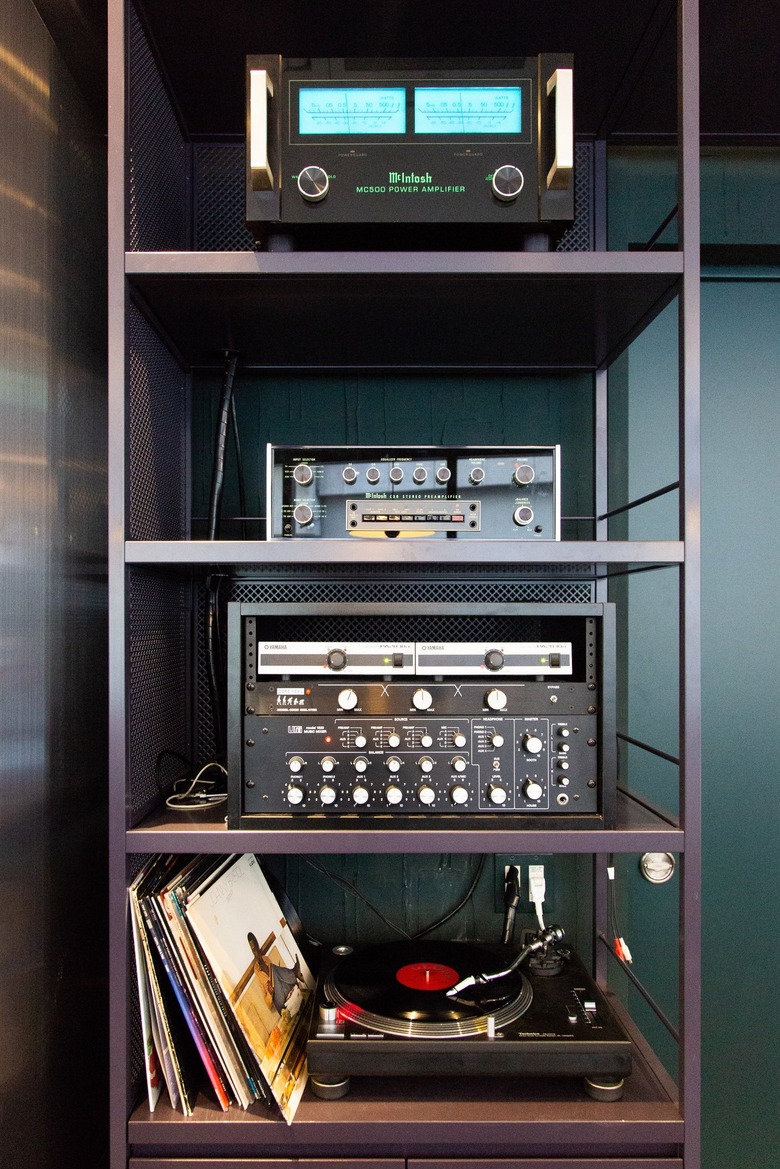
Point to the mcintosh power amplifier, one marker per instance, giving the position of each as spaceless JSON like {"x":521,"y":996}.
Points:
{"x":410,"y":732}
{"x":500,"y":493}
{"x":479,"y":141}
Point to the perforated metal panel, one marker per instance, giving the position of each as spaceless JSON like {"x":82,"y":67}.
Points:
{"x":158,"y":404}
{"x":157,"y":158}
{"x":159,"y":684}
{"x":579,"y":237}
{"x":219,"y":198}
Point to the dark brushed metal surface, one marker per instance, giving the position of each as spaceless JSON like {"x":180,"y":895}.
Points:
{"x":52,"y":605}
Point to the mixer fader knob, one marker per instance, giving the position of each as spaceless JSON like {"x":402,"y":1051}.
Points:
{"x":327,"y":794}
{"x":393,"y":794}
{"x":360,"y":794}
{"x":532,"y":744}
{"x":459,"y":794}
{"x":533,"y":790}
{"x":422,"y":699}
{"x":425,"y":794}
{"x":295,"y":795}
{"x":497,"y":794}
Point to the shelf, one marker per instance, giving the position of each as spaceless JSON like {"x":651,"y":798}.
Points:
{"x":296,"y":310}
{"x":403,"y":1116}
{"x":638,"y":829}
{"x":412,"y":552}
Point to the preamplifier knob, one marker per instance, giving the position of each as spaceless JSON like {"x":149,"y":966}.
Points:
{"x":533,"y":790}
{"x":396,"y":474}
{"x":313,"y":184}
{"x":422,"y":699}
{"x":476,"y":475}
{"x":532,"y":744}
{"x":523,"y":515}
{"x":425,"y":763}
{"x":426,"y":794}
{"x":458,"y":764}
{"x":495,"y":699}
{"x":494,"y":659}
{"x":349,"y":475}
{"x":360,"y":741}
{"x":347,"y":699}
{"x":426,"y":741}
{"x":419,"y":474}
{"x":459,"y":739}
{"x":327,"y":794}
{"x":295,"y":763}
{"x":327,"y":763}
{"x":295,"y":794}
{"x":393,"y":763}
{"x":496,"y":740}
{"x":393,"y":794}
{"x":524,"y":474}
{"x":507,"y":182}
{"x":336,"y":659}
{"x":359,"y":794}
{"x":459,"y":794}
{"x":394,"y":740}
{"x":302,"y":514}
{"x":497,"y":794}
{"x":303,"y":474}
{"x":563,"y":765}
{"x":372,"y":475}
{"x":443,"y":474}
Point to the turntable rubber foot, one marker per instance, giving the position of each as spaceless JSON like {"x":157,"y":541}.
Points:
{"x":329,"y":1087}
{"x":608,"y":1088}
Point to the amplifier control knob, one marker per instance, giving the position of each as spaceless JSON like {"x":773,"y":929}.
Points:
{"x":295,"y":794}
{"x":360,"y":741}
{"x":532,"y":744}
{"x":562,"y":780}
{"x":459,"y":739}
{"x":336,"y":659}
{"x":349,"y":475}
{"x":425,"y":763}
{"x":459,"y":794}
{"x":524,"y":474}
{"x":496,"y":740}
{"x":394,"y":740}
{"x":497,"y":794}
{"x":419,"y":474}
{"x":523,"y":516}
{"x":327,"y":794}
{"x":426,"y":794}
{"x":396,"y":474}
{"x":494,"y":659}
{"x":360,"y":764}
{"x":563,"y":764}
{"x":313,"y":183}
{"x":348,"y":699}
{"x":563,"y":732}
{"x":507,"y":182}
{"x":302,"y":514}
{"x":295,"y":764}
{"x":422,"y":699}
{"x":426,"y":741}
{"x":443,"y":474}
{"x":393,"y":794}
{"x":303,"y":474}
{"x":393,"y":763}
{"x":532,"y":790}
{"x":359,"y":794}
{"x":327,"y":763}
{"x":372,"y":474}
{"x":564,"y":748}
{"x":495,"y":699}
{"x":476,"y":475}
{"x":458,"y":764}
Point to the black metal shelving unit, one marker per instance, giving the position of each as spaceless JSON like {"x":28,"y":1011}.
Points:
{"x":181,"y":291}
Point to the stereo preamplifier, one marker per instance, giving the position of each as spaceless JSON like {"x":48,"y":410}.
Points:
{"x":332,"y":492}
{"x":478,"y":141}
{"x":404,"y":732}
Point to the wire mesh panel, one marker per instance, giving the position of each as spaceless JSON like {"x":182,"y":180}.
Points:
{"x":579,"y":237}
{"x":158,"y":473}
{"x":219,"y":198}
{"x":157,"y":156}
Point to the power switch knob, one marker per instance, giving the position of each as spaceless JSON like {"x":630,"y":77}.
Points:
{"x":494,"y":659}
{"x":336,"y":659}
{"x":507,"y":182}
{"x":313,"y":184}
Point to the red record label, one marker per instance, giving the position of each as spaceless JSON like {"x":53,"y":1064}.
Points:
{"x":427,"y":976}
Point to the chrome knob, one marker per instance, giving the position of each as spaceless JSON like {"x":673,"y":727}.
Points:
{"x":313,"y":184}
{"x":295,"y":795}
{"x":360,"y":764}
{"x":349,"y":475}
{"x":295,"y":764}
{"x":302,"y":514}
{"x":327,"y":794}
{"x":359,"y":795}
{"x":393,"y":794}
{"x":425,"y":794}
{"x":458,"y":764}
{"x":524,"y":474}
{"x":327,"y":763}
{"x":425,"y":763}
{"x":393,"y":763}
{"x":523,"y":516}
{"x":507,"y":182}
{"x":336,"y":659}
{"x":303,"y":474}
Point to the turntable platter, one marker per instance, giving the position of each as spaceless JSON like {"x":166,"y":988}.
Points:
{"x":400,"y":989}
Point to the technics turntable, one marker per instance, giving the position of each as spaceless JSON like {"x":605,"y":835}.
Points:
{"x":456,"y":1008}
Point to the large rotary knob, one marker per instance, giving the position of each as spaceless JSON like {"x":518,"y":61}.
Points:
{"x":495,"y":699}
{"x":459,"y":794}
{"x":532,"y":790}
{"x":507,"y":182}
{"x":524,"y":474}
{"x":422,"y":699}
{"x":303,"y":474}
{"x":425,"y":794}
{"x":327,"y":795}
{"x":303,"y":514}
{"x":532,"y":744}
{"x":313,"y":184}
{"x":393,"y":794}
{"x":360,"y":795}
{"x":347,"y":699}
{"x":497,"y":794}
{"x":494,"y":659}
{"x":295,"y":795}
{"x":336,"y":659}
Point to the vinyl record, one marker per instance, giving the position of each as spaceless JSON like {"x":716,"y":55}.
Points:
{"x":400,"y":989}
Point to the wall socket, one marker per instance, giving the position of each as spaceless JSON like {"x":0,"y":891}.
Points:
{"x":524,"y":863}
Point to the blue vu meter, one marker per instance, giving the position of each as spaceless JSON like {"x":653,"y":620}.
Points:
{"x":350,"y":110}
{"x":468,"y":109}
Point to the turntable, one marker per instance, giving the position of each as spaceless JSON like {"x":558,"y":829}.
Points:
{"x":462,"y":1009}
